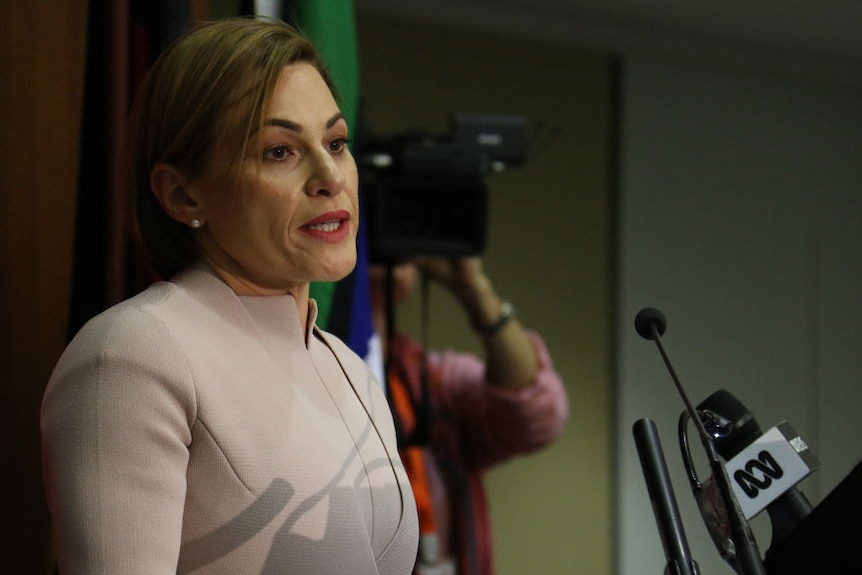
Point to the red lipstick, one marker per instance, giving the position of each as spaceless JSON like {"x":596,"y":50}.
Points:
{"x":332,"y":226}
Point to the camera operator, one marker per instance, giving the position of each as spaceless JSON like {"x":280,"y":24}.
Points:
{"x":458,"y":414}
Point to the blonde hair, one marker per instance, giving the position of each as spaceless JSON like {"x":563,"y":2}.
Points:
{"x":208,"y":88}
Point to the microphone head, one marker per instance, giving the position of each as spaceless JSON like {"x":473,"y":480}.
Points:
{"x":646,"y":319}
{"x":744,"y":428}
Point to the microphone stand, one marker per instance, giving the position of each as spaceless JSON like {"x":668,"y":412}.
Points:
{"x":671,"y":531}
{"x":745,"y":547}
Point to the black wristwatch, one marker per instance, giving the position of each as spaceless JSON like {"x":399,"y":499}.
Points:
{"x":507,"y":312}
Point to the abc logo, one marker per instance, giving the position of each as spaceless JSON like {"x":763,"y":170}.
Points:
{"x":768,"y":469}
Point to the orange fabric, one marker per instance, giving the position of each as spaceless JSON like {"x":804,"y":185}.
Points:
{"x":412,"y":457}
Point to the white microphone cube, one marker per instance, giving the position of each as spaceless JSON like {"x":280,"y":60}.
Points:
{"x":771,"y":465}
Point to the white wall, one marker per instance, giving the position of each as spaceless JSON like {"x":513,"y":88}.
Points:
{"x":740,"y":212}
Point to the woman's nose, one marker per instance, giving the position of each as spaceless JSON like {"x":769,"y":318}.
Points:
{"x":327,"y":176}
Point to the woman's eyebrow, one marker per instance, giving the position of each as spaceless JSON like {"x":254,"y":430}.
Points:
{"x":294,"y":127}
{"x":281,"y":123}
{"x":334,"y":119}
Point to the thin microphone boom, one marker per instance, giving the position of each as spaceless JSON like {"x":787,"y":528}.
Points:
{"x":650,"y":324}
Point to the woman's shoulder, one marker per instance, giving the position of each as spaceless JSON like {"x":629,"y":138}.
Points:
{"x":135,"y":316}
{"x":154,"y":327}
{"x":163,"y":307}
{"x":131,"y":327}
{"x":127,"y":351}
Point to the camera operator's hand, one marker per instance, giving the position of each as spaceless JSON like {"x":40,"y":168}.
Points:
{"x":464,"y":277}
{"x":511,"y":358}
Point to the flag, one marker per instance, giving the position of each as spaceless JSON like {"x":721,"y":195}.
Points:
{"x":344,"y":307}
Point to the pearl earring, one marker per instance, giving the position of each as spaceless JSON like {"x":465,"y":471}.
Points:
{"x":196,"y":223}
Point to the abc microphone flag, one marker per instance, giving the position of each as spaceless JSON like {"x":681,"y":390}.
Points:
{"x":772,"y":464}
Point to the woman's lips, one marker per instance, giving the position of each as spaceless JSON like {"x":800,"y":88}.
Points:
{"x":331,"y":226}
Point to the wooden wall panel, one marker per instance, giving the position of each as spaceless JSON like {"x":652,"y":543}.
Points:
{"x":42,"y":49}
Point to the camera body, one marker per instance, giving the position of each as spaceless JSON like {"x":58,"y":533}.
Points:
{"x":425,"y":195}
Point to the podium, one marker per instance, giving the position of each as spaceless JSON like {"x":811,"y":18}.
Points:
{"x":829,"y":540}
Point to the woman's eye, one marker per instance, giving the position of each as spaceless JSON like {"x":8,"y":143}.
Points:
{"x":338,"y":145}
{"x":276,"y":153}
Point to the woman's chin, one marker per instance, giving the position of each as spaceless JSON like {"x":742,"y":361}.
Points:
{"x":338,"y":270}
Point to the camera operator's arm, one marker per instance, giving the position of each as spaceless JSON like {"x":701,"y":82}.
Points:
{"x":510,"y":357}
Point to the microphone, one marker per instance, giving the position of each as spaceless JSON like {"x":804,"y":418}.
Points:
{"x":680,"y":561}
{"x":650,"y":323}
{"x":765,"y":466}
{"x":741,"y":549}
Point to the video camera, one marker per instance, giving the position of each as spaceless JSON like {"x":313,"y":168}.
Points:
{"x":426,"y":194}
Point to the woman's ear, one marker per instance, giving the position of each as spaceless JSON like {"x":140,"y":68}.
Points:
{"x":176,"y":196}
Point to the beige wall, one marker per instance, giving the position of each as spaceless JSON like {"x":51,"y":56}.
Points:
{"x":549,"y":251}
